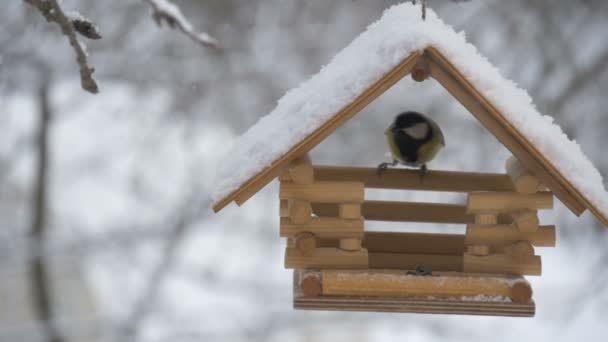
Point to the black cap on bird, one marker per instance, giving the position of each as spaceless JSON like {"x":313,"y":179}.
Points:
{"x":414,"y":140}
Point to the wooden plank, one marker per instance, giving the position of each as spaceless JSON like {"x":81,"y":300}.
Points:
{"x":399,"y":261}
{"x":326,"y":258}
{"x":393,"y":283}
{"x":414,"y":243}
{"x":301,"y":171}
{"x":414,"y":305}
{"x":324,"y":227}
{"x":502,"y":263}
{"x":408,"y":212}
{"x":449,"y":77}
{"x":503,"y":202}
{"x":323,"y":192}
{"x":349,"y":211}
{"x":254,"y":184}
{"x":508,"y":234}
{"x":404,"y":179}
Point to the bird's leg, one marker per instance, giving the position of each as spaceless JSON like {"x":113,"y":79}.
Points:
{"x":384,"y":166}
{"x":423,"y":171}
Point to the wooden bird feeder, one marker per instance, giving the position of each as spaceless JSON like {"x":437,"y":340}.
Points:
{"x":340,"y":266}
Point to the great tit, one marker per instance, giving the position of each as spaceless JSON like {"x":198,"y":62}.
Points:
{"x":414,"y":140}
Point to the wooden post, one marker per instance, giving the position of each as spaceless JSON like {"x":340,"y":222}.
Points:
{"x":305,"y":243}
{"x":301,"y":170}
{"x":300,"y":212}
{"x":522,"y":179}
{"x":526,"y":220}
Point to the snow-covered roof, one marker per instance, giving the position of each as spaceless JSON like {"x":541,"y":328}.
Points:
{"x":385,"y":44}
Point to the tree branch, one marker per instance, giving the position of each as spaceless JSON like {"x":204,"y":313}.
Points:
{"x":52,"y":12}
{"x":165,"y":10}
{"x":39,"y":274}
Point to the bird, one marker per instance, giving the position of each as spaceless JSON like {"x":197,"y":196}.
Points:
{"x":414,"y":140}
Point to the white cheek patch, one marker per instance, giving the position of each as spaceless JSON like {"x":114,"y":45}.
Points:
{"x":418,"y":131}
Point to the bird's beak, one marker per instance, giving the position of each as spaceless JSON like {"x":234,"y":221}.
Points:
{"x":442,"y":141}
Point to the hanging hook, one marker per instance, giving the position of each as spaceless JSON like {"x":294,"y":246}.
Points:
{"x":423,"y":9}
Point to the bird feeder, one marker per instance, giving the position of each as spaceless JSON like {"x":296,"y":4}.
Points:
{"x":337,"y":264}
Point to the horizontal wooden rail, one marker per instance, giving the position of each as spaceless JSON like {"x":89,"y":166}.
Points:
{"x":326,"y":258}
{"x":502,"y":202}
{"x":502,"y":263}
{"x":324,"y":227}
{"x":323,"y":192}
{"x":408,"y":243}
{"x":408,"y":212}
{"x":401,"y":261}
{"x":403,"y":179}
{"x":506,"y":234}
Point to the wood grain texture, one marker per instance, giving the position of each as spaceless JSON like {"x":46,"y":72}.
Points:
{"x":391,"y":211}
{"x":504,"y":202}
{"x":412,"y":305}
{"x":502,"y":263}
{"x":323,"y":192}
{"x":257,"y":182}
{"x":400,"y":261}
{"x":393,"y":283}
{"x":326,"y":258}
{"x":508,"y":234}
{"x":404,"y":179}
{"x":324,"y":227}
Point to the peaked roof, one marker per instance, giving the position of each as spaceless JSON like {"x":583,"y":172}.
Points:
{"x":386,"y":52}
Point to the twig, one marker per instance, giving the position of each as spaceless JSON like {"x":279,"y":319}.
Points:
{"x":41,"y":287}
{"x":52,"y":12}
{"x":165,"y":10}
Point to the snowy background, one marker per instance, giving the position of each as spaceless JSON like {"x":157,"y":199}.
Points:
{"x":135,"y":253}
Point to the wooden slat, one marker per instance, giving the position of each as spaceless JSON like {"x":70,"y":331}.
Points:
{"x":323,"y":192}
{"x":399,"y":261}
{"x":404,"y":179}
{"x":503,"y":202}
{"x":414,"y":243}
{"x":324,"y":227}
{"x":408,"y":212}
{"x":508,"y":234}
{"x":449,"y":77}
{"x":326,"y":258}
{"x":254,"y":184}
{"x":413,"y":305}
{"x":502,"y":263}
{"x":396,"y":283}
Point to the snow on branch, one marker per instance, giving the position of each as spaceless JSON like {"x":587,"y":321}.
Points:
{"x":70,"y":24}
{"x":165,"y":10}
